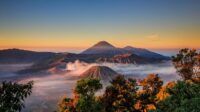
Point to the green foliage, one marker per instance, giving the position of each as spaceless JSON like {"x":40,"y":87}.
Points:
{"x":150,"y":88}
{"x":88,"y":104}
{"x":184,"y":62}
{"x":67,"y":105}
{"x":88,"y":86}
{"x":184,"y":97}
{"x":12,"y":96}
{"x":120,"y":96}
{"x":123,"y":95}
{"x":84,"y":100}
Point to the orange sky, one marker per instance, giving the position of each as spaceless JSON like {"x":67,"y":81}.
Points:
{"x":151,"y":41}
{"x":78,"y":25}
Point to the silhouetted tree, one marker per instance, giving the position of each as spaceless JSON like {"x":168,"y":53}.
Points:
{"x":120,"y":96}
{"x":12,"y":96}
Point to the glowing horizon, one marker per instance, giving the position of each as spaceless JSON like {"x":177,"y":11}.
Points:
{"x":77,"y":25}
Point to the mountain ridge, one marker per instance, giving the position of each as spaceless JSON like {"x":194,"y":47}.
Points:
{"x":23,"y":56}
{"x":103,"y":49}
{"x":126,"y":59}
{"x":98,"y":53}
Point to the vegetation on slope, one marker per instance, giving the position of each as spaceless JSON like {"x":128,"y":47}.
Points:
{"x":147,"y":95}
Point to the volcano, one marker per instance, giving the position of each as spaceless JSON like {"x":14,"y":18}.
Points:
{"x":100,"y":72}
{"x":104,"y":49}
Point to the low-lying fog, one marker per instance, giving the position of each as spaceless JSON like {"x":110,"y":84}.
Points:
{"x":50,"y":87}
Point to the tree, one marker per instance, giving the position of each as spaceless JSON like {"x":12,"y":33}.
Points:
{"x":84,"y":97}
{"x":67,"y":105}
{"x":162,"y":95}
{"x":184,"y":97}
{"x":196,"y":78}
{"x":86,"y":88}
{"x":187,"y":62}
{"x":12,"y":96}
{"x":147,"y":97}
{"x":120,"y":96}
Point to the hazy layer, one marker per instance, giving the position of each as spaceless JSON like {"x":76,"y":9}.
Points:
{"x":49,"y":88}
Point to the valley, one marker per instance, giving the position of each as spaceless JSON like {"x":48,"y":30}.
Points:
{"x":56,"y":73}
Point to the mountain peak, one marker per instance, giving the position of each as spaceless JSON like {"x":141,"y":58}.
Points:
{"x":100,"y":72}
{"x":103,"y":44}
{"x":101,"y":47}
{"x":128,"y":47}
{"x":104,"y":47}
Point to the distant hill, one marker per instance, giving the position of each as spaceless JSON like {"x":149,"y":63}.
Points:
{"x":40,"y":60}
{"x":9,"y":56}
{"x":126,"y":59}
{"x":103,"y":47}
{"x":106,"y":48}
{"x":100,"y":72}
{"x":144,"y":53}
{"x":14,"y":56}
{"x":100,"y":52}
{"x":44,"y":64}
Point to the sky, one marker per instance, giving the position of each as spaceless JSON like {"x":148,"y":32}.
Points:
{"x":74,"y":25}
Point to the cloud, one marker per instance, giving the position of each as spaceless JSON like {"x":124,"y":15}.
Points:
{"x":78,"y":67}
{"x":154,"y":36}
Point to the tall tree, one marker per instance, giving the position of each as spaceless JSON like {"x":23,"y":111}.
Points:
{"x":86,"y":88}
{"x":84,"y":97}
{"x":147,"y":97}
{"x":185,"y":62}
{"x":12,"y":96}
{"x":183,"y":97}
{"x":197,"y":69}
{"x":120,"y":96}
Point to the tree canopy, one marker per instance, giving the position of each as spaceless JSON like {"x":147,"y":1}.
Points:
{"x":147,"y":97}
{"x":12,"y":96}
{"x":120,"y":96}
{"x":84,"y":99}
{"x":184,"y":97}
{"x":187,"y":64}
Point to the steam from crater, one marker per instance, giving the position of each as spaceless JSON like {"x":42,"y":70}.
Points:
{"x":166,"y":70}
{"x":78,"y":67}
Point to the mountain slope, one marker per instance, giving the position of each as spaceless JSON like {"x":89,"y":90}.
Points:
{"x":144,"y":53}
{"x":102,"y":47}
{"x":44,"y":64}
{"x":126,"y":59}
{"x":100,"y":72}
{"x":23,"y":56}
{"x":106,"y":48}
